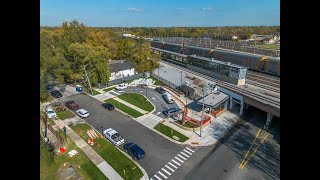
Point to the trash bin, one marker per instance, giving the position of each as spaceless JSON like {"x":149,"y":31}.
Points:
{"x":79,"y":88}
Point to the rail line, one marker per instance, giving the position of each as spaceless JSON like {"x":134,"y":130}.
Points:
{"x":263,"y":81}
{"x":275,"y":102}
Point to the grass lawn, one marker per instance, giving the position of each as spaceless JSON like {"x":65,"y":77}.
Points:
{"x":188,"y":124}
{"x":81,"y":164}
{"x":65,"y":114}
{"x":85,"y":89}
{"x":137,"y":100}
{"x":157,"y":82}
{"x":168,"y":131}
{"x":268,"y":46}
{"x":111,"y":154}
{"x":124,"y":108}
{"x":109,"y":89}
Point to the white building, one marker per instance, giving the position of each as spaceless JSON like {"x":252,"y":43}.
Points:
{"x":120,"y":69}
{"x":128,"y":35}
{"x":234,"y":37}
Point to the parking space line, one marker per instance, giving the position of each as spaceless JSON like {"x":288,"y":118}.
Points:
{"x":169,"y":168}
{"x":182,"y":157}
{"x":190,"y":149}
{"x":176,"y":162}
{"x":173,"y":165}
{"x":162,"y":175}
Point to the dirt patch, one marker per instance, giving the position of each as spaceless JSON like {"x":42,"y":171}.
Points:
{"x":66,"y":173}
{"x":74,"y":121}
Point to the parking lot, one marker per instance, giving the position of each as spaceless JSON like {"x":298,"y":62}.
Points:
{"x":154,"y":97}
{"x":158,"y":149}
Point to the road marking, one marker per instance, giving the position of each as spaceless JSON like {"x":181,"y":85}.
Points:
{"x":182,"y":157}
{"x":173,"y":165}
{"x":187,"y":151}
{"x":179,"y":159}
{"x":190,"y":149}
{"x":185,"y":154}
{"x":158,"y":113}
{"x":153,"y":98}
{"x":166,"y":171}
{"x":115,"y":92}
{"x":157,"y":177}
{"x":162,"y":175}
{"x":176,"y":162}
{"x":169,"y":168}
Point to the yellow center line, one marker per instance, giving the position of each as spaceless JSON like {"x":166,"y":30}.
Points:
{"x":250,"y":147}
{"x":256,"y":149}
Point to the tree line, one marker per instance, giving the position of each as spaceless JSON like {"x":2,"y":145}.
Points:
{"x":65,"y":51}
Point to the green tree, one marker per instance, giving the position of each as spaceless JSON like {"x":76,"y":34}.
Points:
{"x":46,"y":153}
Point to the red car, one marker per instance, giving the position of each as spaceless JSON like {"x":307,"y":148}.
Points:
{"x":72,"y":105}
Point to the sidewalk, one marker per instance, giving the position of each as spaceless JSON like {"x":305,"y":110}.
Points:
{"x":210,"y":134}
{"x":105,"y":168}
{"x":130,"y":105}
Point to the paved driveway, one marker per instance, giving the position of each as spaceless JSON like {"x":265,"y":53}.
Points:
{"x":158,"y":150}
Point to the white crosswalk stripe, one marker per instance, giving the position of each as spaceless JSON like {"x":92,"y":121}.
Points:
{"x":156,"y":118}
{"x":169,"y":168}
{"x":174,"y":164}
{"x":190,"y":149}
{"x":157,"y":177}
{"x":115,"y":92}
{"x":182,"y":157}
{"x":178,"y":159}
{"x":187,"y":151}
{"x":162,"y":175}
{"x":166,"y":171}
{"x":185,"y":154}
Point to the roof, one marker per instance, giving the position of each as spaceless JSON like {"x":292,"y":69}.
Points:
{"x":120,"y":65}
{"x":110,"y":131}
{"x":213,"y":99}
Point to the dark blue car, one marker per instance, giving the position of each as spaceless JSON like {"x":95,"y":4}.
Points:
{"x":134,"y":150}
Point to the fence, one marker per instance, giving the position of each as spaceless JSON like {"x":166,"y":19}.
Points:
{"x":55,"y":133}
{"x":121,"y":80}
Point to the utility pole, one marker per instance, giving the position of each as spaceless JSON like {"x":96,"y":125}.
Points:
{"x":84,"y":67}
{"x":202,"y":112}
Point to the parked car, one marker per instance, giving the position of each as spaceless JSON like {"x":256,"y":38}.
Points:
{"x":122,"y":86}
{"x":113,"y":136}
{"x":108,"y":106}
{"x":50,"y":113}
{"x":168,"y":98}
{"x":171,"y":112}
{"x":72,"y":105}
{"x":56,"y":94}
{"x":160,"y":90}
{"x":134,"y":150}
{"x":82,"y":113}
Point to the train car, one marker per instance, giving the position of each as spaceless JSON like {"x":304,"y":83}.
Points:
{"x":266,"y":64}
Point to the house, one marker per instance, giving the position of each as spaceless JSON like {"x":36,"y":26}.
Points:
{"x":128,"y":35}
{"x":234,"y":37}
{"x":259,"y":38}
{"x":120,"y":69}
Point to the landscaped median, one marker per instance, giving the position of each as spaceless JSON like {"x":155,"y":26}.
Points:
{"x":125,"y":167}
{"x":65,"y":114}
{"x":124,"y":108}
{"x":171,"y":133}
{"x":137,"y":100}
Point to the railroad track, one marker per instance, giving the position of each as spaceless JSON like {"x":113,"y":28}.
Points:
{"x":264,"y":77}
{"x":275,"y":102}
{"x":263,"y":86}
{"x":263,"y":81}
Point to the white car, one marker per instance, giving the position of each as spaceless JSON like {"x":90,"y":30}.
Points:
{"x":50,"y":113}
{"x":113,"y":136}
{"x":122,"y":86}
{"x":82,"y":113}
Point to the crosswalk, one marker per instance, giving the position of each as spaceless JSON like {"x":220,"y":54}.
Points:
{"x":173,"y":165}
{"x":114,"y":92}
{"x":155,"y":117}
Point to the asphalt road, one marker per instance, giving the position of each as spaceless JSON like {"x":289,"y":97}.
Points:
{"x":222,"y":161}
{"x":158,"y":150}
{"x":154,"y":97}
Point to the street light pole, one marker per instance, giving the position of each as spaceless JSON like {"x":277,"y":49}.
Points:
{"x":202,"y":112}
{"x":84,"y":67}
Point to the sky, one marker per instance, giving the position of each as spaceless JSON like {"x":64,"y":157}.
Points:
{"x":161,"y":13}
